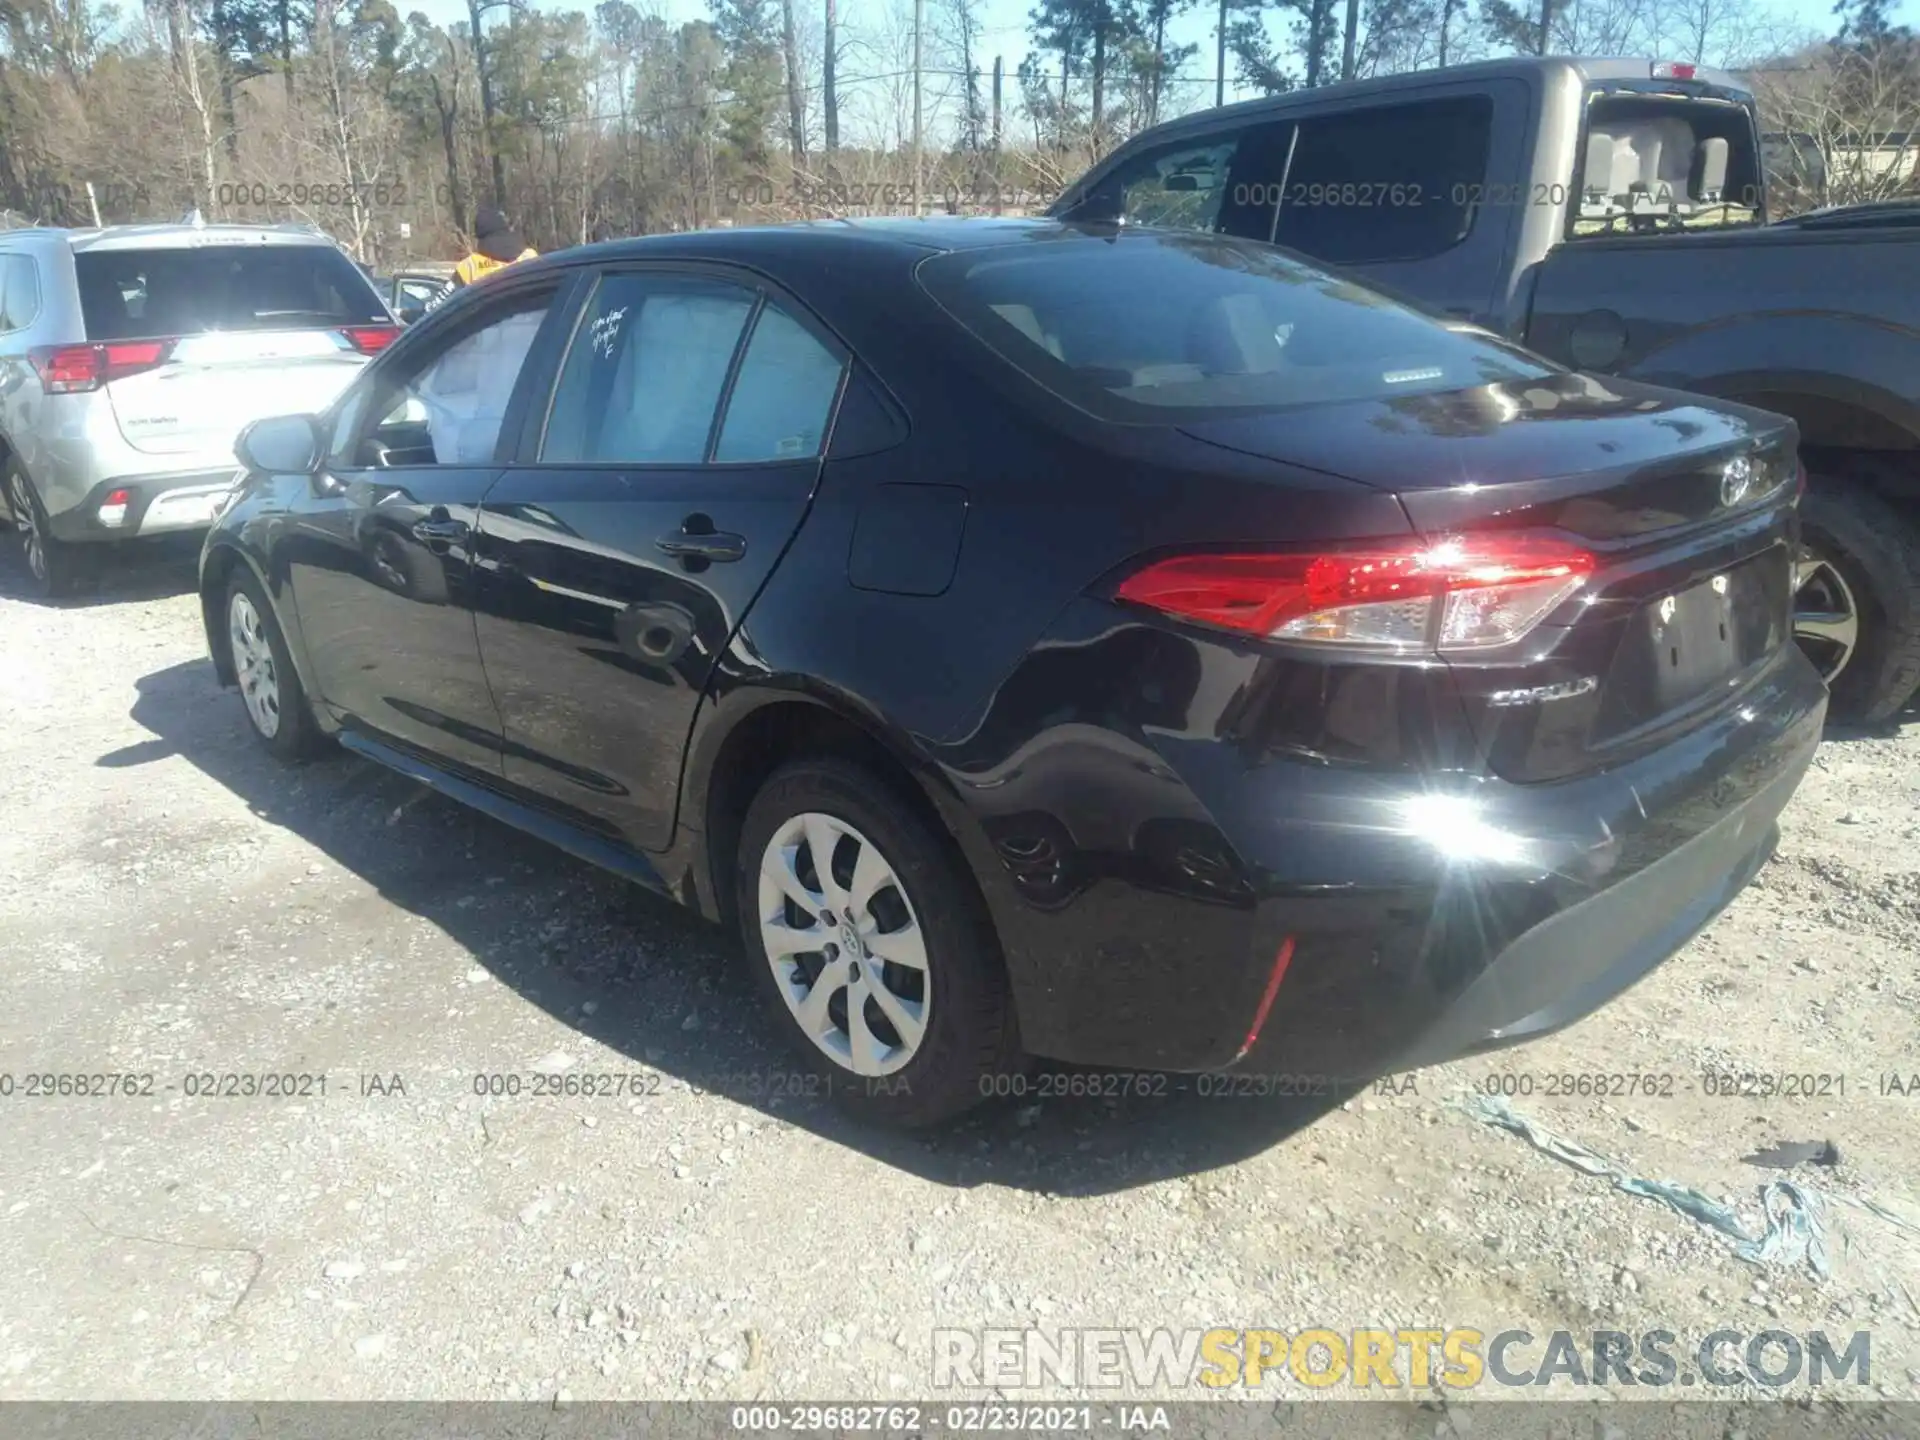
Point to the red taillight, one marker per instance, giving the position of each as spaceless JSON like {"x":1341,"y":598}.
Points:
{"x":1674,"y":70}
{"x":66,"y":368}
{"x":371,"y":339}
{"x":1463,"y":593}
{"x":71,"y":369}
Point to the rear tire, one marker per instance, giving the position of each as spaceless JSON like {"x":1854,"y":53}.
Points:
{"x":51,"y":566}
{"x":934,"y":1020}
{"x":1870,"y":554}
{"x":270,"y":692}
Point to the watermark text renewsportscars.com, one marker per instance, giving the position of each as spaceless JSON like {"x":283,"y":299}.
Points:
{"x":1390,"y":1359}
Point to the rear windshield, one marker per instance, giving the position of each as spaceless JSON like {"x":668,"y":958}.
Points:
{"x":1659,"y":163}
{"x":1153,"y":325}
{"x":133,"y":294}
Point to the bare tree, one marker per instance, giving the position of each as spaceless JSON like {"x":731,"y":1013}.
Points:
{"x":191,"y":89}
{"x":796,"y":105}
{"x":1845,"y":128}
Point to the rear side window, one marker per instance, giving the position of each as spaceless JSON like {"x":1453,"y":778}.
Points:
{"x":642,"y":381}
{"x":783,"y":395}
{"x":19,"y":292}
{"x":1157,"y":326}
{"x":136,"y":294}
{"x":1400,"y":182}
{"x":1395,"y":182}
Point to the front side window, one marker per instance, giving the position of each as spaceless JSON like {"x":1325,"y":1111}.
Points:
{"x":1398,"y":182}
{"x":1226,"y":183}
{"x":1178,"y":189}
{"x":448,"y":411}
{"x":1159,"y":326}
{"x":643,"y":377}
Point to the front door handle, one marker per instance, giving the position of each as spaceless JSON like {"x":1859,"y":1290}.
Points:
{"x":441,"y":530}
{"x":696,"y":539}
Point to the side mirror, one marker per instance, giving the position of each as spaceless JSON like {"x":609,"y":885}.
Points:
{"x":280,"y":445}
{"x":412,"y":310}
{"x":1181,"y":180}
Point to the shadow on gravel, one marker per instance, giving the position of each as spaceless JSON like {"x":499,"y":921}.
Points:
{"x":659,"y":984}
{"x":1885,"y":730}
{"x":135,"y":573}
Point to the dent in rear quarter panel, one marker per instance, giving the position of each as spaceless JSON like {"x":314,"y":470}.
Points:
{"x":1129,"y":920}
{"x":1117,"y":777}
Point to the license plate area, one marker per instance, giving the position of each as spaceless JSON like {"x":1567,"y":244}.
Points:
{"x":1684,"y":644}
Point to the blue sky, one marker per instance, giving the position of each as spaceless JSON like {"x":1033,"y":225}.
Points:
{"x":1005,"y":28}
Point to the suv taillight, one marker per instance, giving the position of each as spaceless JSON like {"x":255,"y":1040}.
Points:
{"x":75,"y":369}
{"x":371,"y":339}
{"x":1461,"y":593}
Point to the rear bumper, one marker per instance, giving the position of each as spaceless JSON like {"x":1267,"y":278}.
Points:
{"x":1429,"y":917}
{"x":156,"y":504}
{"x":1565,"y":968}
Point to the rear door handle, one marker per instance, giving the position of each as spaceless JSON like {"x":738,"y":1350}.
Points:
{"x":442,"y":531}
{"x":714,"y":545}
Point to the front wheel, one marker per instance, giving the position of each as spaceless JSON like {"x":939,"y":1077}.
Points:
{"x":871,"y":946}
{"x":270,"y":689}
{"x":1856,"y":608}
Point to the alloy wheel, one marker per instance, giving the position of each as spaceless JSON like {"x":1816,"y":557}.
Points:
{"x":253,"y":665}
{"x":24,"y":514}
{"x":845,"y":944}
{"x":1826,"y":619}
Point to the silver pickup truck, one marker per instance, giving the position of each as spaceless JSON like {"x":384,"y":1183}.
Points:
{"x":1612,"y":216}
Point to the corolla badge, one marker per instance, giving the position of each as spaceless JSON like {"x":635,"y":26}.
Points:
{"x":1736,"y":480}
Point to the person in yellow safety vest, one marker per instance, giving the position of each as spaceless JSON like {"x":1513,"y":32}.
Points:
{"x":495,"y":246}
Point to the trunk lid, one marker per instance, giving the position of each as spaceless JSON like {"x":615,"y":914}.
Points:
{"x":248,"y":329}
{"x":211,"y":386}
{"x":1687,"y":506}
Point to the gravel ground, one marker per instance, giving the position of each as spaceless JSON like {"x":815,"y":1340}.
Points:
{"x":176,"y":904}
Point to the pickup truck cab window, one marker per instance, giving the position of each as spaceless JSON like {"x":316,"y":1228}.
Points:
{"x":1395,"y":182}
{"x":1384,"y":183}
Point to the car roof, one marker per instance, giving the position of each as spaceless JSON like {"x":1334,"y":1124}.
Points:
{"x":170,"y":236}
{"x":902,"y":239}
{"x":1584,"y":69}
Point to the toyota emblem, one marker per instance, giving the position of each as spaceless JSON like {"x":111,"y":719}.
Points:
{"x":1735,"y":481}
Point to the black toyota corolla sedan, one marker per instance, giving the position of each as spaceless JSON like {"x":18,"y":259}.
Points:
{"x":1128,"y":648}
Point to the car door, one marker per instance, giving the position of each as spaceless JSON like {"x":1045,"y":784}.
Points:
{"x":381,"y":564}
{"x":653,"y":500}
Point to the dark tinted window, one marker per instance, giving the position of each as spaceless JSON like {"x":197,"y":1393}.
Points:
{"x":1157,"y":324}
{"x":1395,"y":183}
{"x":129,"y":294}
{"x":781,"y":399}
{"x":643,"y":378}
